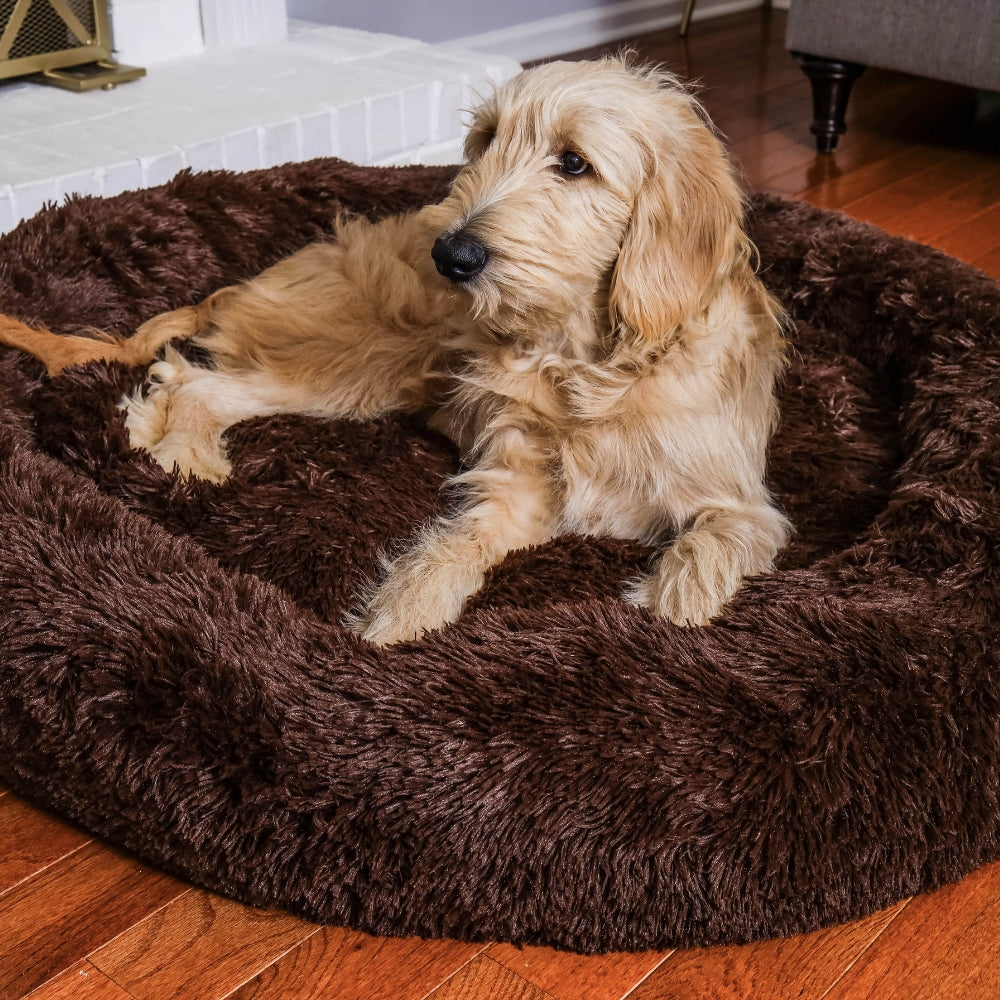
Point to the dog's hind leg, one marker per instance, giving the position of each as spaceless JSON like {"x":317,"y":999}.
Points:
{"x":186,"y":410}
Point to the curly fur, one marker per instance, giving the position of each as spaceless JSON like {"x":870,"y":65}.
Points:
{"x":610,"y":371}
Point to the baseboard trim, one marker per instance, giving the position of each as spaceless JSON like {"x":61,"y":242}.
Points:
{"x":596,"y":26}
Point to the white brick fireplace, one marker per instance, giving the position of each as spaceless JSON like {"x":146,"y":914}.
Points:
{"x":152,"y":31}
{"x":234,"y":84}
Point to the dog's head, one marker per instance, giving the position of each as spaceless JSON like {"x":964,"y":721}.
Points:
{"x":591,"y":187}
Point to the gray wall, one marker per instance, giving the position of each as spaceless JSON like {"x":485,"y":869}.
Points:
{"x":434,"y":20}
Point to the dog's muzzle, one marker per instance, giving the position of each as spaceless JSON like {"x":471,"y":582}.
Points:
{"x":458,"y":256}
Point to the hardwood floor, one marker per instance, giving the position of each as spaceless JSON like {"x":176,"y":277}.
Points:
{"x":81,"y":920}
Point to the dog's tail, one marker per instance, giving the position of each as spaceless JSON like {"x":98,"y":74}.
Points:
{"x":59,"y":352}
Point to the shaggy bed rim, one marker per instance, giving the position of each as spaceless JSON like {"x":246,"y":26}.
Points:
{"x":558,"y":767}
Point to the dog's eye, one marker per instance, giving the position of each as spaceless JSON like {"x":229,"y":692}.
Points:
{"x":573,"y":164}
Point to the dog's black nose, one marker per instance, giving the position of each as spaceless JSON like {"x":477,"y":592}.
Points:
{"x":458,"y":256}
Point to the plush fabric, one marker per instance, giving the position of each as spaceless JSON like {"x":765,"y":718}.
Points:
{"x":558,"y":766}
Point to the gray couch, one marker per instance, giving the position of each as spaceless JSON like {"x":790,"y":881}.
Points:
{"x":834,"y":40}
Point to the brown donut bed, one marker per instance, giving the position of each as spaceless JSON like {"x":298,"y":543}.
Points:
{"x":557,"y":767}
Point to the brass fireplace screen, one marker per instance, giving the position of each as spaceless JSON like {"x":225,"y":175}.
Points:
{"x":63,"y":42}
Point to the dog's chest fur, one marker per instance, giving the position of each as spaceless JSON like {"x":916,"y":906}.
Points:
{"x":589,"y":424}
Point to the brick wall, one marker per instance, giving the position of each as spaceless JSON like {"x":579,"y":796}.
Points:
{"x":319,"y":91}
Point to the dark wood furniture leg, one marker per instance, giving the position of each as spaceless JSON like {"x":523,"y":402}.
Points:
{"x":831,"y":82}
{"x":686,"y":17}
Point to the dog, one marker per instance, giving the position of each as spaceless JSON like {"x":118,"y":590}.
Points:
{"x":581,"y":315}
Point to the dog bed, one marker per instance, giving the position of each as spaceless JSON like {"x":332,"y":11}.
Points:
{"x":557,"y":767}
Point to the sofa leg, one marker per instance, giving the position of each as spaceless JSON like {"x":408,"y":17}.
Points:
{"x":831,"y":82}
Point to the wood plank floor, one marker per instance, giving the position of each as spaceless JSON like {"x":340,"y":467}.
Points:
{"x":81,"y":920}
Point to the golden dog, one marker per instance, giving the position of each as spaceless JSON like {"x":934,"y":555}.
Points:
{"x":580,"y":314}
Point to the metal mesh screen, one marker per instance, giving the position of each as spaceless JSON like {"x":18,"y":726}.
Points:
{"x":44,"y":29}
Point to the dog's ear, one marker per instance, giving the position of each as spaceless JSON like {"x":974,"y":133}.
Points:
{"x":684,"y":234}
{"x":481,"y":128}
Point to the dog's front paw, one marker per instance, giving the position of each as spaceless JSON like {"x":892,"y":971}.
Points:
{"x":675,"y":592}
{"x":697,"y":576}
{"x":387,"y":626}
{"x":398,"y":614}
{"x":420,"y":593}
